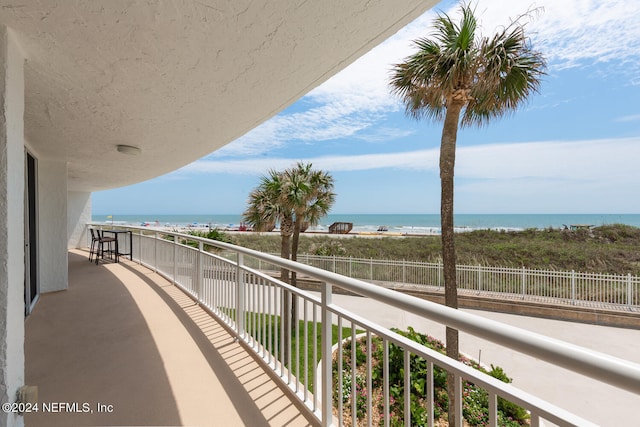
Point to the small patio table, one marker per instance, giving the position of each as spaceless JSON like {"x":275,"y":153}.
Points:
{"x":128,"y":245}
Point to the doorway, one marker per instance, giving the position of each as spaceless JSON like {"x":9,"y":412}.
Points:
{"x":31,"y":282}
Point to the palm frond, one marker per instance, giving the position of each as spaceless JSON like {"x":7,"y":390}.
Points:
{"x":491,"y":77}
{"x":296,"y":194}
{"x":443,"y":64}
{"x":511,"y":71}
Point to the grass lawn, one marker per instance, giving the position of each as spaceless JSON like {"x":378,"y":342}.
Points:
{"x":302,"y":345}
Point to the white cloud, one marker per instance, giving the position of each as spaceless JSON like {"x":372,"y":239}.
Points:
{"x":239,"y":167}
{"x":632,"y":118}
{"x":571,"y":32}
{"x":550,"y":176}
{"x":423,"y":159}
{"x":338,"y":119}
{"x":384,"y":134}
{"x":590,"y":161}
{"x":545,"y":176}
{"x":593,"y":162}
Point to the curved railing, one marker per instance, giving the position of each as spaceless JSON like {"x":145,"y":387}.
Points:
{"x":256,"y":307}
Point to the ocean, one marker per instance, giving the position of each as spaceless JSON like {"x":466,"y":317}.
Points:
{"x":394,"y":223}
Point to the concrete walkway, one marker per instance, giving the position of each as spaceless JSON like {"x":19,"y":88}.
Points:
{"x":129,"y":348}
{"x":590,"y":399}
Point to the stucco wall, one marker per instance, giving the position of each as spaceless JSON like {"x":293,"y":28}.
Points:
{"x":11,"y":224}
{"x":52,"y":225}
{"x":78,"y":215}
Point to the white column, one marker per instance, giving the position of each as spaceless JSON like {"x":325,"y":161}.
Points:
{"x":78,"y":215}
{"x":11,"y":224}
{"x":52,"y":226}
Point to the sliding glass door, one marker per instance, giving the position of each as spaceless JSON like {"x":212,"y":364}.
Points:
{"x":31,"y":285}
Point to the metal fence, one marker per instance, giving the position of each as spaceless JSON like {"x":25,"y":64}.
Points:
{"x":617,"y":292}
{"x":292,"y":332}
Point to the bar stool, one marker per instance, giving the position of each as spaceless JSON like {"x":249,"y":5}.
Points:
{"x":94,"y":243}
{"x":97,"y":244}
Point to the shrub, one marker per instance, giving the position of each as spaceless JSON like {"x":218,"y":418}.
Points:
{"x":475,"y":399}
{"x":330,"y":248}
{"x":213,"y":234}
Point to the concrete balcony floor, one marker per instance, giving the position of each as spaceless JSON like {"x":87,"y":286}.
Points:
{"x":125,"y":338}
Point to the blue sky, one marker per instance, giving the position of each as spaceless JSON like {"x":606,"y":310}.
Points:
{"x":573,"y":148}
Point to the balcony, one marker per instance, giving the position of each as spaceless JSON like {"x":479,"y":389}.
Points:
{"x":128,"y":339}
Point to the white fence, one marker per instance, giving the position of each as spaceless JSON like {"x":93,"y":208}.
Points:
{"x":292,"y":332}
{"x":616,"y":292}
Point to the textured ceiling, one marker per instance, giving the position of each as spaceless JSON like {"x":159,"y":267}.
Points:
{"x":176,"y":78}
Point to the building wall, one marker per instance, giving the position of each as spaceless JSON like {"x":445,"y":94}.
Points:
{"x":11,"y":223}
{"x":52,"y":225}
{"x":79,"y":214}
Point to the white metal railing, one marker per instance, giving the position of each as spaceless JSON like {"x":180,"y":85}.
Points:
{"x":258,"y":308}
{"x":615,"y":292}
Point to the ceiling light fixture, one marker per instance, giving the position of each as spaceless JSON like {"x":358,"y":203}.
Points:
{"x":128,"y":149}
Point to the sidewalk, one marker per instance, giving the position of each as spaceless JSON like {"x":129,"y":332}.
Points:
{"x":590,"y":399}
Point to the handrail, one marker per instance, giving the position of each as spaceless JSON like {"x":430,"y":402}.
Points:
{"x":604,"y":367}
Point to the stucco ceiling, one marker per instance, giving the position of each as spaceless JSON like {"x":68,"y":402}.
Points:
{"x":176,"y":78}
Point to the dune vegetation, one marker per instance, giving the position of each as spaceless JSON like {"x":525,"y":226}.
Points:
{"x":613,"y":249}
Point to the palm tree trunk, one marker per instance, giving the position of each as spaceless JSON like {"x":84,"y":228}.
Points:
{"x":295,"y":240}
{"x":294,"y":277}
{"x":447,"y":165}
{"x":285,"y":252}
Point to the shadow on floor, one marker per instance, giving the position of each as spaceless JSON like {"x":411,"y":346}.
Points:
{"x":90,"y":345}
{"x":254,"y":394}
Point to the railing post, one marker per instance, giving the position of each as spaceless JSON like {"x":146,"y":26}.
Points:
{"x":200,"y":271}
{"x":175,"y":260}
{"x":240,"y":296}
{"x":573,"y":287}
{"x":404,"y":272}
{"x":327,"y":384}
{"x":370,"y":268}
{"x":479,"y":279}
{"x":139,"y":246}
{"x":334,"y":264}
{"x":155,"y":252}
{"x":493,"y":409}
{"x":407,"y":383}
{"x":458,"y":402}
{"x":524,"y":282}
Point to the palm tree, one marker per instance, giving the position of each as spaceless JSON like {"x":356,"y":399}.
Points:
{"x":309,"y":194}
{"x":464,"y":79}
{"x":298,"y":195}
{"x":265,"y":209}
